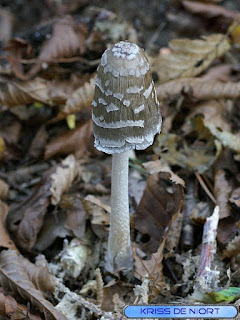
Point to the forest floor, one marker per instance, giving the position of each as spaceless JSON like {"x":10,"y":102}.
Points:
{"x":55,"y":187}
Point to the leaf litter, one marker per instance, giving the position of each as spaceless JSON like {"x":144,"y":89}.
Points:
{"x":55,"y":187}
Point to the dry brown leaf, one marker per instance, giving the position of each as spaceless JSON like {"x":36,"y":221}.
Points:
{"x":174,"y":235}
{"x":210,"y":10}
{"x":81,"y":98}
{"x":77,"y":141}
{"x":189,"y":57}
{"x":5,"y":240}
{"x":75,"y":215}
{"x":38,"y":143}
{"x":222,"y":191}
{"x":198,"y":88}
{"x":23,"y":313}
{"x":158,"y":209}
{"x":113,"y":287}
{"x":62,"y":179}
{"x":98,"y":211}
{"x":152,"y":269}
{"x":13,"y":93}
{"x":158,"y":166}
{"x":67,"y":40}
{"x":213,"y":111}
{"x":13,"y":276}
{"x":54,"y":226}
{"x":4,"y":188}
{"x":233,"y":248}
{"x":8,"y":305}
{"x":227,"y":229}
{"x":200,"y":212}
{"x":26,"y":219}
{"x":39,"y":276}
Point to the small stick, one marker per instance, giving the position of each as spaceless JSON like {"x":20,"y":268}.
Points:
{"x":205,"y":188}
{"x":207,"y":278}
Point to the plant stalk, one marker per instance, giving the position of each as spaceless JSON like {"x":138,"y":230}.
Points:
{"x":119,"y":255}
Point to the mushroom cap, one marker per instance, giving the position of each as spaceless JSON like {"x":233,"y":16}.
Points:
{"x":126,"y":112}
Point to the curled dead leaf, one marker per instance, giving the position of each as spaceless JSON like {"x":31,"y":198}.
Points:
{"x":210,"y":10}
{"x":39,"y":276}
{"x":158,"y":166}
{"x":151,"y":269}
{"x":189,"y":57}
{"x":81,"y":98}
{"x":63,"y":178}
{"x":15,"y":93}
{"x":5,"y":240}
{"x":158,"y":208}
{"x":233,"y":248}
{"x":14,"y":276}
{"x":197,"y":88}
{"x":4,"y":188}
{"x":67,"y":40}
{"x":77,"y":141}
{"x":26,"y":219}
{"x":8,"y":305}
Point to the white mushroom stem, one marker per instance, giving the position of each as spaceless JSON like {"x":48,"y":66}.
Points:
{"x":119,"y":256}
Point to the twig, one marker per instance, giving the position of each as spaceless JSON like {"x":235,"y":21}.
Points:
{"x":205,"y":188}
{"x":207,"y":278}
{"x":76,"y":300}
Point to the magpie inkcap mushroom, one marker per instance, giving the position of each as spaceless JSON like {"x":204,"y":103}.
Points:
{"x":125,"y":116}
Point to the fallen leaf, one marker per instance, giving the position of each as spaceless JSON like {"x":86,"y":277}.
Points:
{"x":13,"y":275}
{"x":222,"y":191}
{"x":229,"y":295}
{"x":151,"y":269}
{"x":113,"y":287}
{"x":200,"y":212}
{"x":158,"y":208}
{"x":15,"y":93}
{"x":54,"y":226}
{"x":228,"y":139}
{"x":80,"y":98}
{"x":213,"y":111}
{"x":189,"y":57}
{"x":4,"y":188}
{"x":38,"y":143}
{"x":8,"y":305}
{"x":39,"y":276}
{"x":22,"y":312}
{"x":197,"y":89}
{"x":197,"y":157}
{"x":157,"y":166}
{"x":227,"y":229}
{"x":5,"y":240}
{"x":233,"y":248}
{"x":62,"y":179}
{"x":75,"y":215}
{"x":67,"y":40}
{"x":210,"y":10}
{"x":26,"y":219}
{"x":77,"y":142}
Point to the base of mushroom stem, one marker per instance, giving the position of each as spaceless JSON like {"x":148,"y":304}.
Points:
{"x":121,"y":263}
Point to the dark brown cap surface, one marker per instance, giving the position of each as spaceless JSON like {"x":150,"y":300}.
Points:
{"x":126,"y":111}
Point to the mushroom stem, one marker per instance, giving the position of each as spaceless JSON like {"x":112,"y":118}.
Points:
{"x":119,"y":256}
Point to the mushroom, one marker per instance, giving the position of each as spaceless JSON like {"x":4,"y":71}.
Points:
{"x":125,"y":116}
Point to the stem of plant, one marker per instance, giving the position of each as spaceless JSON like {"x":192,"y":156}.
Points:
{"x":119,"y":256}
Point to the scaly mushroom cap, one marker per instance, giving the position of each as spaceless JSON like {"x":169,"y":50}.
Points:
{"x":126,"y":111}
